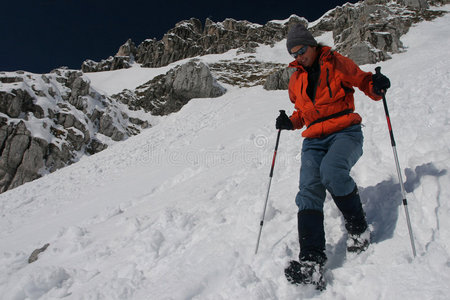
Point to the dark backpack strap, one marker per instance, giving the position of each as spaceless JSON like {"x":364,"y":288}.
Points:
{"x":339,"y":114}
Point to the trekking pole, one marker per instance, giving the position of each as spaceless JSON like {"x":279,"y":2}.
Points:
{"x":402,"y":187}
{"x":268,"y":189}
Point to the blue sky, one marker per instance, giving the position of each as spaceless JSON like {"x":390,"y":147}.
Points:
{"x":40,"y":35}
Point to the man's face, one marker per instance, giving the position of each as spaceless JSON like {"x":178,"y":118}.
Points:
{"x":307,"y":58}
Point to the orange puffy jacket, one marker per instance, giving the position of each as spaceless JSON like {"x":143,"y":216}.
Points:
{"x":333,"y":106}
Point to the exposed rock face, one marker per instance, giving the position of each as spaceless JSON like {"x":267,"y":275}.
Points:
{"x":127,"y":49}
{"x":22,"y":155}
{"x":111,"y":63}
{"x":13,"y":104}
{"x":368,"y":32}
{"x":122,"y":60}
{"x":243,"y":72}
{"x":279,"y":80}
{"x":168,"y":93}
{"x":189,"y":39}
{"x":48,"y":121}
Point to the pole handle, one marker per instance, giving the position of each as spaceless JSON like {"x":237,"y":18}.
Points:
{"x":378,"y":70}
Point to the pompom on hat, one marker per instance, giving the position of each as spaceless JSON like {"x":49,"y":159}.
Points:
{"x":299,"y":35}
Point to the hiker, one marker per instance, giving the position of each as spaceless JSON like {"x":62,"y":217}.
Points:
{"x":321,"y":90}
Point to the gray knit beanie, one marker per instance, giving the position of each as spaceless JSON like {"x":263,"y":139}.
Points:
{"x":299,"y":35}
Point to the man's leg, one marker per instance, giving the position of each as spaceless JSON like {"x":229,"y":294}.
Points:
{"x":344,"y":152}
{"x":311,"y":233}
{"x":310,"y":200}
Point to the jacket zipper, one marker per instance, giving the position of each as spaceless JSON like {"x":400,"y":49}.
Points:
{"x":328,"y":83}
{"x":316,"y":84}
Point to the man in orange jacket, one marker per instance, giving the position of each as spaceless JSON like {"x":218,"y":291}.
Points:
{"x":321,"y":90}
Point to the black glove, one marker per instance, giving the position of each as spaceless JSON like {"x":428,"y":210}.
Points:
{"x":283,"y":122}
{"x":380,"y":83}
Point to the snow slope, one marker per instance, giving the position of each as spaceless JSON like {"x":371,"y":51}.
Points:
{"x":174,"y":212}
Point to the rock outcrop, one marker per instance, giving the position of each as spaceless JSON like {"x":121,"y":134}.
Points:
{"x":122,"y":60}
{"x":48,"y":121}
{"x":243,"y":72}
{"x":35,"y":254}
{"x":22,"y":155}
{"x":168,"y":93}
{"x":189,"y":39}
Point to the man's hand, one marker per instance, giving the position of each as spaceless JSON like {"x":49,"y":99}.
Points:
{"x":380,"y":83}
{"x":283,"y":122}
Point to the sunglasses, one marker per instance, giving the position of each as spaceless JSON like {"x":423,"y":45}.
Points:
{"x":301,"y":51}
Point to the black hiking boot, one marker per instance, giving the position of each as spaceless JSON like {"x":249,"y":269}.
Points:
{"x":355,"y":221}
{"x":305,"y":272}
{"x":357,"y":243}
{"x":312,"y":256}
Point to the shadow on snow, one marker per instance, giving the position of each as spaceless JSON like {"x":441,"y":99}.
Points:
{"x":381,"y":204}
{"x":381,"y":201}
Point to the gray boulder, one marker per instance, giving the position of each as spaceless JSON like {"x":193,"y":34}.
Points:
{"x":194,"y":80}
{"x":168,"y":93}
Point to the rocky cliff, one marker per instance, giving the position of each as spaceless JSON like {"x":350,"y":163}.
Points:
{"x":368,"y":31}
{"x":190,"y":38}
